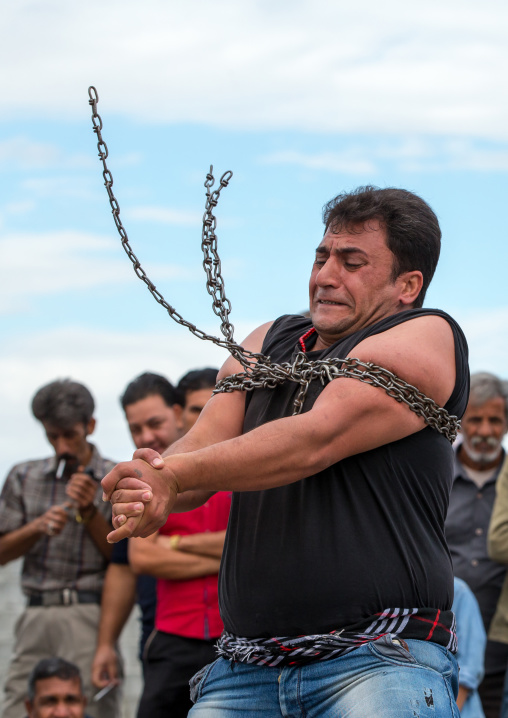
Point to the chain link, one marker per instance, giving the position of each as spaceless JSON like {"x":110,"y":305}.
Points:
{"x":260,"y":372}
{"x":302,"y":372}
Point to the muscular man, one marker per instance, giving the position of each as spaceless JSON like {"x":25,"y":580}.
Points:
{"x":185,"y":558}
{"x":336,"y":583}
{"x":55,"y":690}
{"x":478,"y":462}
{"x":51,"y":513}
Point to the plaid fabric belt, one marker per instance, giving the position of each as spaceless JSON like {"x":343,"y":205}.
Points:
{"x":66,"y":597}
{"x":425,"y":624}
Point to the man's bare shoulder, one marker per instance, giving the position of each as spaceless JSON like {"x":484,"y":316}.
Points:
{"x":421,"y":351}
{"x":253,"y":343}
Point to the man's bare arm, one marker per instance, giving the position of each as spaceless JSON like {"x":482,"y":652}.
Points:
{"x":209,"y":543}
{"x":118,"y":598}
{"x":349,"y":417}
{"x":156,"y":558}
{"x":82,"y":490}
{"x":17,"y":543}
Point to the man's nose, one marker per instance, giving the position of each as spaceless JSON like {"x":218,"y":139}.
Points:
{"x":329,"y":273}
{"x":62,"y":446}
{"x":485,"y":428}
{"x":61,"y":711}
{"x":147,"y":436}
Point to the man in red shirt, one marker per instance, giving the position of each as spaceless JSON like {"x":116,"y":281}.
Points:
{"x":185,"y":558}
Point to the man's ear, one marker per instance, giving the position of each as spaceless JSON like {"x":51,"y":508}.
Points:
{"x":28,"y":706}
{"x":90,"y":427}
{"x":411,"y":284}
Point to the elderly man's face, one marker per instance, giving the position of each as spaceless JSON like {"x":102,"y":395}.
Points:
{"x":56,"y":698}
{"x":483,"y":428}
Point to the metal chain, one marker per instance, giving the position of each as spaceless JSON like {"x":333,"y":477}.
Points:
{"x":211,"y":261}
{"x":260,"y":372}
{"x":302,"y":372}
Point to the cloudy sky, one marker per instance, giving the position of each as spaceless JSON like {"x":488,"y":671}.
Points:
{"x":300,"y":100}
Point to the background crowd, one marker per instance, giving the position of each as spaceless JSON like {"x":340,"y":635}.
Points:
{"x":80,"y":590}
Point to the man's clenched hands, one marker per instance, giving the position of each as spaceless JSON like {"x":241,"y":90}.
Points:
{"x":142,"y":493}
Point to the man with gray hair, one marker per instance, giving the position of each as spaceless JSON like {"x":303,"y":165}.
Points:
{"x":51,"y":514}
{"x":478,"y":461}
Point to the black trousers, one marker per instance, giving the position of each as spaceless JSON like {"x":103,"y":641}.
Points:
{"x":491,"y":694}
{"x":169,"y":663}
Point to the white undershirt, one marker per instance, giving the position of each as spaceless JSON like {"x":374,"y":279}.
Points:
{"x":480,"y":478}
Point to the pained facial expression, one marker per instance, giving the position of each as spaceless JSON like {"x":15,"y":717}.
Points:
{"x":55,"y":698}
{"x":153,"y":424}
{"x":351,"y":283}
{"x":483,"y":428}
{"x":194,"y":404}
{"x":70,"y":443}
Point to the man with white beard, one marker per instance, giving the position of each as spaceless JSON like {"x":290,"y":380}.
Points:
{"x":478,"y":462}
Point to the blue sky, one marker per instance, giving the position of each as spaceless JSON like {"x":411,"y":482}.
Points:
{"x":300,"y":100}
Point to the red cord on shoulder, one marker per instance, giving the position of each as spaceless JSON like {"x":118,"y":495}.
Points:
{"x":303,"y":338}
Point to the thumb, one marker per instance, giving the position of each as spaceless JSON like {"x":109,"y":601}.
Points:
{"x":151,"y":457}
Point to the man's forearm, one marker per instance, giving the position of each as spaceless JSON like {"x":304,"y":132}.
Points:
{"x":18,"y":542}
{"x":156,"y":558}
{"x":210,"y":543}
{"x":348,"y":418}
{"x":98,"y":528}
{"x":462,"y":696}
{"x":118,"y":599}
{"x":295,"y":447}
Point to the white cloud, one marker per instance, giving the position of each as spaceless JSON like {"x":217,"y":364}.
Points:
{"x":61,"y":186}
{"x":331,"y":161}
{"x":415,"y":154}
{"x":322,"y":65}
{"x":487,"y":335}
{"x":21,"y":207}
{"x":22,"y":152}
{"x":39,"y":264}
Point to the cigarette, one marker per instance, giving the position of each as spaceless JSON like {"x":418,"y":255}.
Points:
{"x":103,"y":692}
{"x":60,"y":469}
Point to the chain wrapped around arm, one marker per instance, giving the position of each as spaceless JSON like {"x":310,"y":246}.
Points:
{"x":259,"y":371}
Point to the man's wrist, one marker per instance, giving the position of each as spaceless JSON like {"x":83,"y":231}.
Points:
{"x":86,"y":514}
{"x":175,"y":473}
{"x":174,"y":541}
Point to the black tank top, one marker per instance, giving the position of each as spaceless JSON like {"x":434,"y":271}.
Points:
{"x":333,"y":549}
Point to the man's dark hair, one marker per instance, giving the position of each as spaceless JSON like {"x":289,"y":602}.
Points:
{"x":412,"y":229}
{"x":486,"y":386}
{"x":149,"y":384}
{"x":63,"y":403}
{"x":52,"y":668}
{"x":195,"y":380}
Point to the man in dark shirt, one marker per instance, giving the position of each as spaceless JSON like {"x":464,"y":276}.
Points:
{"x":336,"y":581}
{"x":478,"y":462}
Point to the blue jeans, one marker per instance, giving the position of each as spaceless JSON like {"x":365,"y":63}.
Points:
{"x":378,"y":680}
